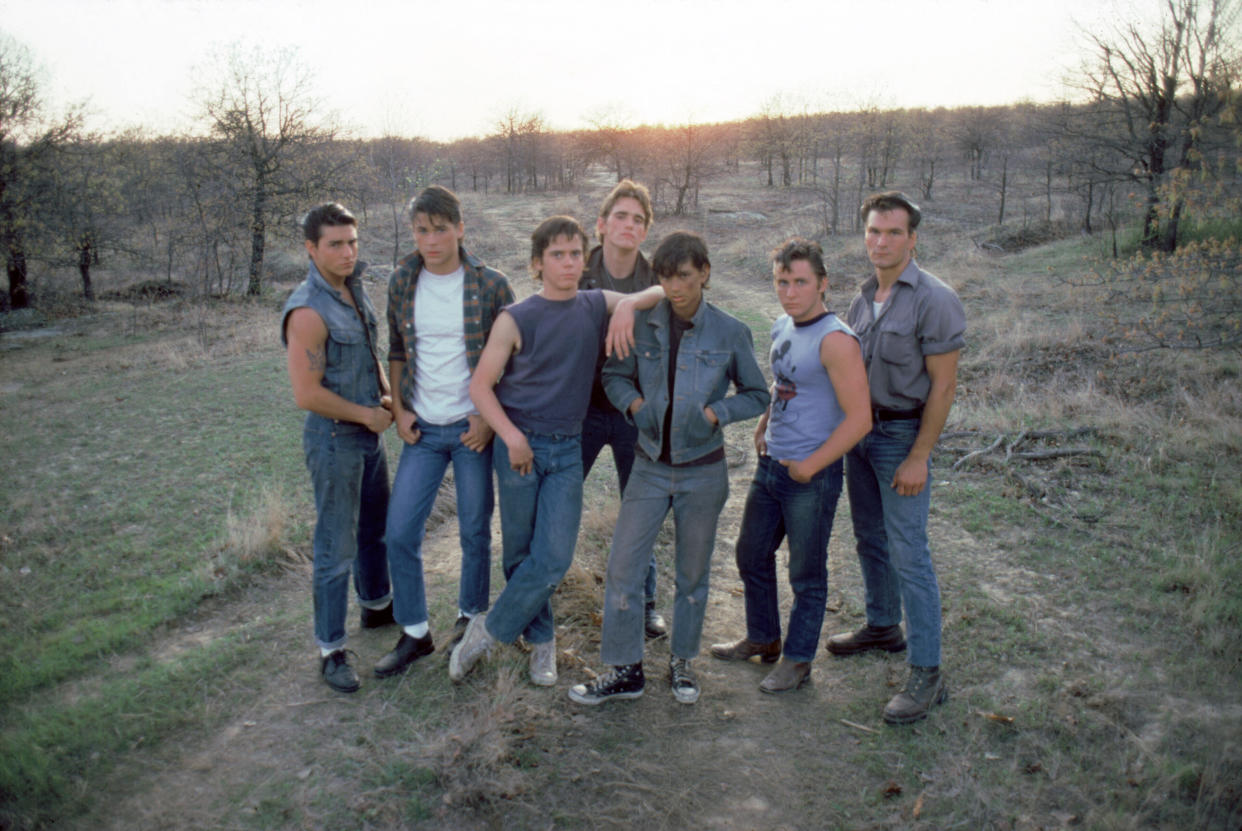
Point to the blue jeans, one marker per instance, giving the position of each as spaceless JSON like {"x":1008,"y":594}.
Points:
{"x":609,"y":427}
{"x":350,"y":479}
{"x":891,"y":531}
{"x":696,"y":495}
{"x":779,"y":508}
{"x":419,"y":474}
{"x":539,"y":515}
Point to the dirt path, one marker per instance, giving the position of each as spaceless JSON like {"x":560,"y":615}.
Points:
{"x":290,"y":753}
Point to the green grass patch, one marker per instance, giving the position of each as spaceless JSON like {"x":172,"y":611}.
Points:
{"x":124,"y":499}
{"x":50,"y":748}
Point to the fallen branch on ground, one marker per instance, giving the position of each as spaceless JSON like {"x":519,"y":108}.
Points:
{"x":1011,"y":449}
{"x":1058,"y":452}
{"x":985,"y":450}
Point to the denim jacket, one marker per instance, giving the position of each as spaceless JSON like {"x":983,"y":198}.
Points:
{"x":350,"y":370}
{"x":716,"y":350}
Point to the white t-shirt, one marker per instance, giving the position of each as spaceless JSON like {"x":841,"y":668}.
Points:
{"x":441,"y":371}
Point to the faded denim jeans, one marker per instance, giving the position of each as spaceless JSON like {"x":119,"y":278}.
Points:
{"x":350,"y":479}
{"x":777,"y":509}
{"x":891,"y":531}
{"x":539,"y":517}
{"x":419,"y":474}
{"x":696,"y":496}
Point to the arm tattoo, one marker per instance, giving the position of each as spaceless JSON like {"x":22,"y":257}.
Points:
{"x":318,"y":359}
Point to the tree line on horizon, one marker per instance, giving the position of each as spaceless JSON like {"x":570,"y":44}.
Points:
{"x":1154,"y":139}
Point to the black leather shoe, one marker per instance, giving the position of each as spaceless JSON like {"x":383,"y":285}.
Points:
{"x":888,"y":638}
{"x":338,"y":673}
{"x":407,"y":651}
{"x":653,"y":622}
{"x":375,"y":618}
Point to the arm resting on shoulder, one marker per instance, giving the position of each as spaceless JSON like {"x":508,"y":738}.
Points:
{"x":620,"y":337}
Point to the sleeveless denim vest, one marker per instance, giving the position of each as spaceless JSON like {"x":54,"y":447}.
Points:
{"x":350,"y":371}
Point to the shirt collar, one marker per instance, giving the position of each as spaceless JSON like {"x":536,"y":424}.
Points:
{"x":320,"y":282}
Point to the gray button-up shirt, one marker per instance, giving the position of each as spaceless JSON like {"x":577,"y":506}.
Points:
{"x":922,"y":316}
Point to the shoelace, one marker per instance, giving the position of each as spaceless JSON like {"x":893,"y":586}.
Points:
{"x":682,"y":674}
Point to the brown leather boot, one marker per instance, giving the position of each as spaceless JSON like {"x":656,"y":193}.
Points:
{"x":925,"y":688}
{"x":888,"y":638}
{"x":745,"y":649}
{"x":788,"y":675}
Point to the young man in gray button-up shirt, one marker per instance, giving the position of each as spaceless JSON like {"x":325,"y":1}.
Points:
{"x":911,"y":326}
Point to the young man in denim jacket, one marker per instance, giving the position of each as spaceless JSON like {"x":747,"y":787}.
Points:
{"x":337,"y":379}
{"x":674,"y":387}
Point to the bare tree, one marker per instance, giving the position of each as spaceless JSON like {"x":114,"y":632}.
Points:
{"x":261,"y":111}
{"x":612,"y":140}
{"x":774,"y":139}
{"x":400,"y":167}
{"x":1157,"y":95}
{"x":86,"y":204}
{"x":520,"y":136}
{"x":834,"y":129}
{"x":976,"y":135}
{"x":926,"y":140}
{"x":29,"y":142}
{"x":687,"y":158}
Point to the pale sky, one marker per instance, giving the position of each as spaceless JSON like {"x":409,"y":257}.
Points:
{"x":443,"y":69}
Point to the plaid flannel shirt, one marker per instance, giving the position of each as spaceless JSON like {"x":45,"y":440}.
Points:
{"x":485,"y":291}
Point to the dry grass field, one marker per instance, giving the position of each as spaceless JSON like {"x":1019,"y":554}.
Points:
{"x":1085,"y":525}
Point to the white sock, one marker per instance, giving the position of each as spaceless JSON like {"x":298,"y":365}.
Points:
{"x":418,"y":630}
{"x":464,"y":613}
{"x":323,"y":653}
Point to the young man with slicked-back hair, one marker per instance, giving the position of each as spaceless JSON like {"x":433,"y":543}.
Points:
{"x":330,"y":329}
{"x":617,"y":264}
{"x":442,"y":302}
{"x":820,"y":410}
{"x":912,"y":329}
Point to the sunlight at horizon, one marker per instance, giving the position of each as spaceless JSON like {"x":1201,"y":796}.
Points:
{"x":450,"y":71}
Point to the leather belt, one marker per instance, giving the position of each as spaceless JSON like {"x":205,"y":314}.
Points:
{"x":884,"y":414}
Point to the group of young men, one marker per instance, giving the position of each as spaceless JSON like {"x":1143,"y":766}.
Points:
{"x":617,"y":350}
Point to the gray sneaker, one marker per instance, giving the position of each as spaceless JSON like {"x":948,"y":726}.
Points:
{"x":682,"y":679}
{"x":925,"y":688}
{"x":476,"y":643}
{"x":543,"y":663}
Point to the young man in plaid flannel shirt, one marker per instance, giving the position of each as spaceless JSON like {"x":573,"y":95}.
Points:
{"x":442,"y":302}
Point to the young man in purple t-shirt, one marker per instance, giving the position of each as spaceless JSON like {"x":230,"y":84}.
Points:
{"x":532,"y":385}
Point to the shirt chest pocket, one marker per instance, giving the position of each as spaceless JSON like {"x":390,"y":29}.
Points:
{"x":647,"y":356}
{"x":346,"y":345}
{"x":899,"y":347}
{"x":711,"y":374}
